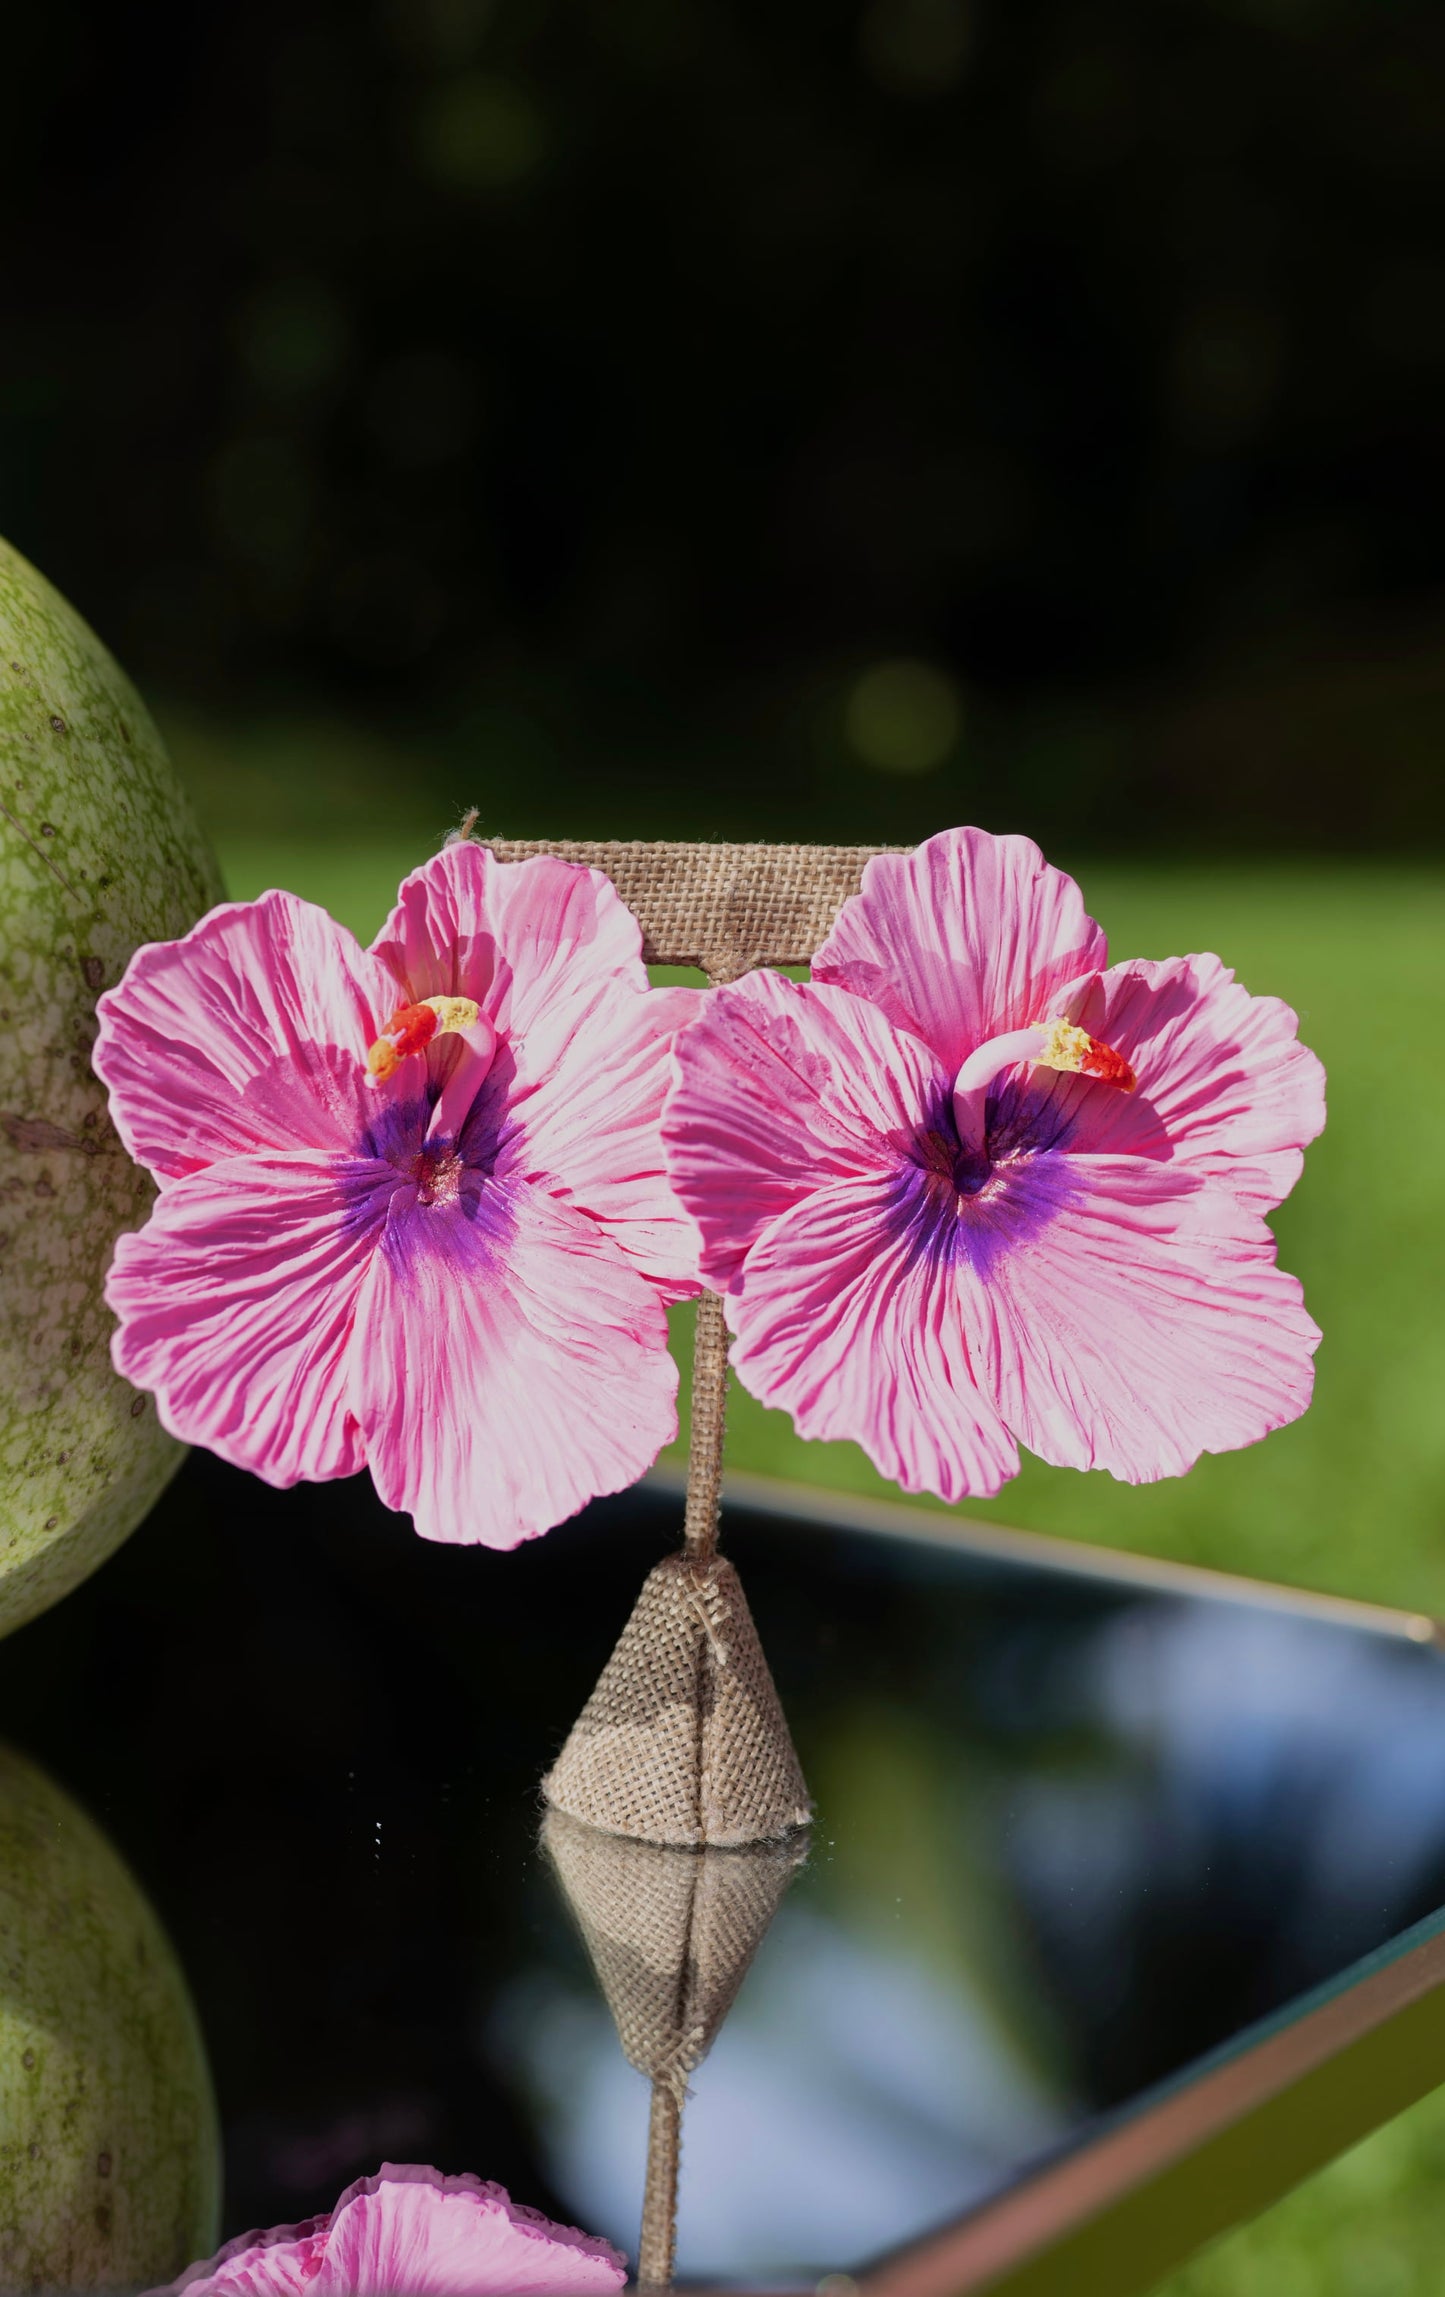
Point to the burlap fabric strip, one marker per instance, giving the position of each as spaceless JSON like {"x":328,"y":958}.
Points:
{"x":723,"y":908}
{"x":683,"y":1741}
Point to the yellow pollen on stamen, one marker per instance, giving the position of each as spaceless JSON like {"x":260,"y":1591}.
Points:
{"x":453,"y":1013}
{"x":1065,"y":1048}
{"x":1076,"y":1053}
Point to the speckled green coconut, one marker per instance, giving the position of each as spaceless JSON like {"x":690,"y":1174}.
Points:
{"x":98,"y":852}
{"x":109,"y":2162}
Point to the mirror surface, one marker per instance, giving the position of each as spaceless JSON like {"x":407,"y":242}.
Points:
{"x":1071,"y":1834}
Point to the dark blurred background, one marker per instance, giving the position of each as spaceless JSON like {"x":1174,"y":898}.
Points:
{"x":697,"y":414}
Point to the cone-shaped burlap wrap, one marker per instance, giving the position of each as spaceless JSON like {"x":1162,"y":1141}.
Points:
{"x":670,"y":1934}
{"x":684,"y":1741}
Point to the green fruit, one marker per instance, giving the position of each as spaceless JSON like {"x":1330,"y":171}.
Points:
{"x":99,"y":851}
{"x":109,"y":2161}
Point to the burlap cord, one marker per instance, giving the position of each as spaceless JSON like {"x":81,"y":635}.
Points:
{"x":670,"y":1935}
{"x":683,"y":1741}
{"x":707,"y":1426}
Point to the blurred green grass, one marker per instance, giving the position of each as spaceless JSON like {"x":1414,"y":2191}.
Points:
{"x":1352,"y":1498}
{"x":1371,"y":2225}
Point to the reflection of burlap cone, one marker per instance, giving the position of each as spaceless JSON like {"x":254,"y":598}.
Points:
{"x":671,"y":1934}
{"x":683,"y":1740}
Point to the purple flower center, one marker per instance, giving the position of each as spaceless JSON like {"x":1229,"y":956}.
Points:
{"x":438,"y":1175}
{"x":443,"y":1145}
{"x":445,"y":1135}
{"x":961,"y":1200}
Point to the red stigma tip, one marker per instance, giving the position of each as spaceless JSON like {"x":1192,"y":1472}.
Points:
{"x":1109,"y":1067}
{"x":410,"y":1028}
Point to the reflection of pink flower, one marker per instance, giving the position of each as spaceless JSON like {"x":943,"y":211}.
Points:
{"x":968,"y":1186}
{"x":412,"y":1212}
{"x":411,"y":2233}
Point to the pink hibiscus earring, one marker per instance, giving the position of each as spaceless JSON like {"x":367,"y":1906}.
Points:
{"x":972,"y":1187}
{"x":412,"y":1212}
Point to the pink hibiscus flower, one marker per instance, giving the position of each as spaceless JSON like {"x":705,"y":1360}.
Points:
{"x":412,"y":1211}
{"x":969,"y":1188}
{"x":410,"y":2232}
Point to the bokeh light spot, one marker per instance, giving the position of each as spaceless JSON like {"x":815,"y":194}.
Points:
{"x":903,"y":717}
{"x":450,"y":30}
{"x":294,"y":336}
{"x":480,"y":132}
{"x":916,"y":47}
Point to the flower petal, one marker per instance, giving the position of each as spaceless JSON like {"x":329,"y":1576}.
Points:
{"x":848,"y":1318}
{"x":1226,"y":1090}
{"x":1144,"y":1323}
{"x":968,"y":937}
{"x":411,"y":2232}
{"x":416,"y":2231}
{"x":280,"y":2263}
{"x":236,"y":1303}
{"x":247,"y":1035}
{"x":588,"y":1127}
{"x":534,"y":942}
{"x":508,"y":1365}
{"x":781,"y":1088}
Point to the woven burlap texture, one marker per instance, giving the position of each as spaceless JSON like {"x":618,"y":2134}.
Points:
{"x":683,"y":1740}
{"x":723,"y":908}
{"x":670,"y":1935}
